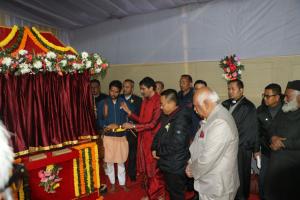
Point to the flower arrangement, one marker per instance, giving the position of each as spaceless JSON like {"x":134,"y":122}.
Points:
{"x":22,"y":63}
{"x":49,"y":178}
{"x":232,"y":67}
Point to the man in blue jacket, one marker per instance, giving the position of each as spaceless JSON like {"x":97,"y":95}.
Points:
{"x":110,"y":118}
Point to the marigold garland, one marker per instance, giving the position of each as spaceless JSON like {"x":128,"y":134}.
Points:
{"x":81,"y":174}
{"x":75,"y":177}
{"x":92,"y":171}
{"x":78,"y":172}
{"x":49,"y":44}
{"x":9,"y":37}
{"x":23,"y":41}
{"x":87,"y":189}
{"x":35,"y":41}
{"x":12,"y":48}
{"x":87,"y":167}
{"x":97,"y":175}
{"x":28,"y":33}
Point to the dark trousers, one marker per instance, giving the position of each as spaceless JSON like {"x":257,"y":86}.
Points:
{"x":132,"y":142}
{"x":262,"y":175}
{"x":244,"y":168}
{"x":175,"y":185}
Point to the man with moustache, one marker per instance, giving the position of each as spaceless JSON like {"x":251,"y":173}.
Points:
{"x":244,"y":114}
{"x":110,"y":118}
{"x":283,"y":176}
{"x":134,"y":103}
{"x":147,"y":125}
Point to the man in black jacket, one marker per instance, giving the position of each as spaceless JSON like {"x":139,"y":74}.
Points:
{"x":283,"y":176}
{"x":244,"y":114}
{"x":134,"y":102}
{"x":171,"y":144}
{"x":272,"y":103}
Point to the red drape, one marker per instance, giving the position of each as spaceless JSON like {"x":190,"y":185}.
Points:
{"x":46,"y":110}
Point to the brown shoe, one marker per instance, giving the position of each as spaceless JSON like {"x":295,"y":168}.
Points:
{"x":112,"y":188}
{"x":126,"y":189}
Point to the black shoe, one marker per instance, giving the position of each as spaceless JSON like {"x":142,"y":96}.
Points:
{"x":103,"y":189}
{"x":133,"y":179}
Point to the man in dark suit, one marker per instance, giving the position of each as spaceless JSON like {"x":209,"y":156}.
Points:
{"x":134,"y":103}
{"x":244,"y":114}
{"x":283,"y":176}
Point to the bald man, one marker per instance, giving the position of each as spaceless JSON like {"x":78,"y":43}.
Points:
{"x":213,"y":163}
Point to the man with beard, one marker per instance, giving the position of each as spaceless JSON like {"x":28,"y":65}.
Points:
{"x":244,"y":114}
{"x":134,"y":103}
{"x":110,"y":118}
{"x":272,"y":103}
{"x":147,"y":127}
{"x":283,"y":177}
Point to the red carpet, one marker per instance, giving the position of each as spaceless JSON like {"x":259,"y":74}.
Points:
{"x":136,"y":192}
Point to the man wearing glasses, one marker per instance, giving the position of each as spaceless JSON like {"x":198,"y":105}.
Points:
{"x":266,"y":112}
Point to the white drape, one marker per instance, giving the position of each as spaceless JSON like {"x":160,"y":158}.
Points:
{"x":207,"y":31}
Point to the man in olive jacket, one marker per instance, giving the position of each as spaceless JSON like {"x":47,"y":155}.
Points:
{"x":171,"y":144}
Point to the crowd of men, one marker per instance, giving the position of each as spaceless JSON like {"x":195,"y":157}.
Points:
{"x":189,"y":140}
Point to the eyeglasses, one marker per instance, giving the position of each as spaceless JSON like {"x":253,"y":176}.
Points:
{"x":267,"y":96}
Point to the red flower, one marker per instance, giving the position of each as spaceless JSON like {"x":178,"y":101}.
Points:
{"x":232,"y":67}
{"x":104,"y":65}
{"x":29,"y":57}
{"x":201,"y":134}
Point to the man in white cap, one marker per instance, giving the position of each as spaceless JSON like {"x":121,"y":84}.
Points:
{"x":283,"y":177}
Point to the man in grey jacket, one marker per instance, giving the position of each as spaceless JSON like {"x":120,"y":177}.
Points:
{"x":213,"y":162}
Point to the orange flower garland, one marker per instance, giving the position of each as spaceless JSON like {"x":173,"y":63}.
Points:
{"x":27,"y":33}
{"x":87,"y":178}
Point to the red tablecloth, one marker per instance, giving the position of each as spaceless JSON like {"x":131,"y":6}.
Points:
{"x":66,"y":189}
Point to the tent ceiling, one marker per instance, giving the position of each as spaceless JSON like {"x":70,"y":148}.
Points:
{"x":72,"y":14}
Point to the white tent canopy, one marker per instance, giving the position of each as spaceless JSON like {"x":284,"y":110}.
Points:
{"x":150,"y":31}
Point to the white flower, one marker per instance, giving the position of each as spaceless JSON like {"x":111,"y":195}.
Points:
{"x":51,"y":55}
{"x":238,"y":63}
{"x":7,"y":61}
{"x":96,"y":55}
{"x":76,"y":65}
{"x":88,"y":64}
{"x":84,"y":55}
{"x":23,"y":52}
{"x":99,"y":61}
{"x":48,"y":63}
{"x":25,"y":68}
{"x":71,"y":57}
{"x":37,"y":64}
{"x":97,"y":70}
{"x":240,"y":71}
{"x":63,"y":63}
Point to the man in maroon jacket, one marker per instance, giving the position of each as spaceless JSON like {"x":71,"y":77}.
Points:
{"x":147,"y":126}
